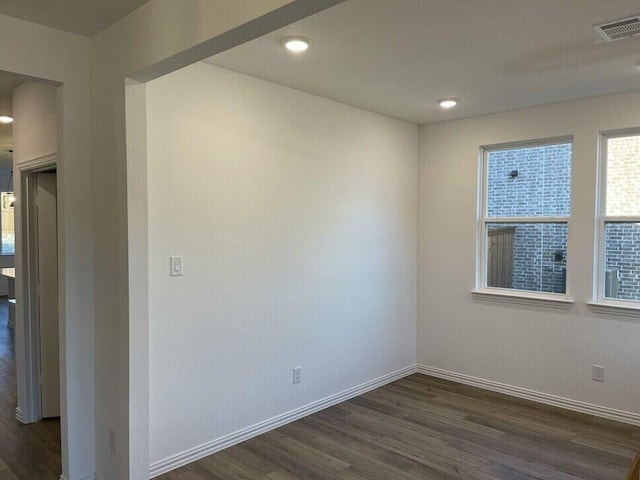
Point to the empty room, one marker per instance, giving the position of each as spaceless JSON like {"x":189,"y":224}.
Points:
{"x":342,"y":239}
{"x":305,"y":206}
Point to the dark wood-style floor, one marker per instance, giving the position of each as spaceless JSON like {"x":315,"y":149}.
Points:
{"x":27,"y":452}
{"x":425,"y":428}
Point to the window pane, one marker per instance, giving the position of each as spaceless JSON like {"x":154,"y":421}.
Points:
{"x":622,"y":267}
{"x":529,"y":182}
{"x":623,"y":176}
{"x":6,"y":223}
{"x":527,"y":256}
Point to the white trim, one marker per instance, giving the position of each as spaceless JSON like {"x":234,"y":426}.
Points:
{"x":481,"y":240}
{"x":36,"y":164}
{"x":598,"y":246}
{"x":621,"y":218}
{"x":19,"y":415}
{"x":532,"y":395}
{"x":490,"y":220}
{"x":537,"y":142}
{"x":604,"y":304}
{"x":27,"y":338}
{"x":213,"y":446}
{"x":608,"y":307}
{"x":519,"y":297}
{"x":484,"y":220}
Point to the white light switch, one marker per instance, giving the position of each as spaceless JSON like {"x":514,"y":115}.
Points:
{"x":176,"y":266}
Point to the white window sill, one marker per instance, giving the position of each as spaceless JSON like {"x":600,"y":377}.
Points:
{"x":517,"y":297}
{"x":622,"y":309}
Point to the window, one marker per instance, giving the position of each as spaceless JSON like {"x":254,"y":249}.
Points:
{"x":6,"y":223}
{"x":619,"y":219}
{"x":525,"y":208}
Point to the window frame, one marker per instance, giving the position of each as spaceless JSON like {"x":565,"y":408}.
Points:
{"x":512,"y":295}
{"x":602,"y":219}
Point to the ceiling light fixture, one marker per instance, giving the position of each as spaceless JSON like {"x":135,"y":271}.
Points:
{"x":296,"y":44}
{"x":6,"y":119}
{"x":448,"y":103}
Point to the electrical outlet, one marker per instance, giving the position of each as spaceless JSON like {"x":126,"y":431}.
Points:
{"x":297,"y":374}
{"x":597,"y":373}
{"x":113,"y":441}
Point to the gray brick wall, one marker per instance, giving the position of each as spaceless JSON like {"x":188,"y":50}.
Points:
{"x":622,"y":251}
{"x":541,"y":188}
{"x":623,"y":176}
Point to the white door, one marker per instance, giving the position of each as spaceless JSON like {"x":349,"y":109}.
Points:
{"x":47,"y":273}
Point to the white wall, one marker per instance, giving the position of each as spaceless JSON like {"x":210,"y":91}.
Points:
{"x":35,"y":135}
{"x":156,"y":31}
{"x":44,"y":53}
{"x":541,"y":349}
{"x":35,"y":130}
{"x":157,"y":38}
{"x":297,"y":219}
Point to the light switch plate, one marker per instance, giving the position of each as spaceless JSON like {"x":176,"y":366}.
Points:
{"x":175,"y":266}
{"x":113,"y":441}
{"x":597,"y":373}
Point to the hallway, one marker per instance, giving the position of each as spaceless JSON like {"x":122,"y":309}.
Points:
{"x":31,"y":451}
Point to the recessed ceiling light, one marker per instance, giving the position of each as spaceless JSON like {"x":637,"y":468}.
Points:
{"x":448,"y":103}
{"x":296,"y":44}
{"x":5,"y":119}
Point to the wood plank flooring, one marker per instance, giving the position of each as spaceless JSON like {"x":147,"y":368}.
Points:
{"x":27,"y":452}
{"x":426,"y":428}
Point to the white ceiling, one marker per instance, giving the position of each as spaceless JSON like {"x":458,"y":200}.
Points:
{"x":399,"y":57}
{"x":84,"y":17}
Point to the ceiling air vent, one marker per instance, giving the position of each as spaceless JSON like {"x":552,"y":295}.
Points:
{"x":619,"y":29}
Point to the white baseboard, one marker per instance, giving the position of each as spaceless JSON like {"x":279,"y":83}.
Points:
{"x":201,"y":451}
{"x":540,"y":397}
{"x":19,"y":416}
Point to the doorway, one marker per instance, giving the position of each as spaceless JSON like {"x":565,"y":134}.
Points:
{"x":29,"y":424}
{"x":40,"y":283}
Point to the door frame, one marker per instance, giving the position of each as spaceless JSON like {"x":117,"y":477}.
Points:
{"x":29,"y":407}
